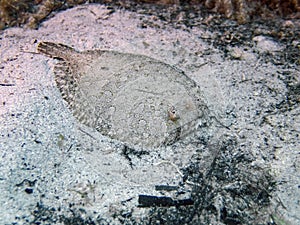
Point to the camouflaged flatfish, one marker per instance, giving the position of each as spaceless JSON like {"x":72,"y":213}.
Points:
{"x":132,"y":98}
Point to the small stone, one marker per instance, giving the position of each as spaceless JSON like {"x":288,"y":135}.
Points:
{"x":266,"y":44}
{"x":29,"y":190}
{"x":236,"y":53}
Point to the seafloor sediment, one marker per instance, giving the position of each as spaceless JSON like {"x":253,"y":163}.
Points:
{"x":240,"y":167}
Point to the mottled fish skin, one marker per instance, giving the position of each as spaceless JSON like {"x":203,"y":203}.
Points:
{"x":132,"y":98}
{"x":70,"y":68}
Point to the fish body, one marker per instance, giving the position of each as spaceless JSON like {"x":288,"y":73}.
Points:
{"x":132,"y":98}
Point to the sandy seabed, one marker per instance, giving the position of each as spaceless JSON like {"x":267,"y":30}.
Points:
{"x":57,"y":171}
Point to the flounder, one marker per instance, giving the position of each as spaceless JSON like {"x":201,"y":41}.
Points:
{"x":131,"y":98}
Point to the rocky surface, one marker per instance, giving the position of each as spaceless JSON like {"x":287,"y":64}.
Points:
{"x":240,"y":167}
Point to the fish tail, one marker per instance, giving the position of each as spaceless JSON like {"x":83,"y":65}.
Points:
{"x":54,"y":50}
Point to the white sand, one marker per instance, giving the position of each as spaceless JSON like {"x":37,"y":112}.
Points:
{"x":41,"y":141}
